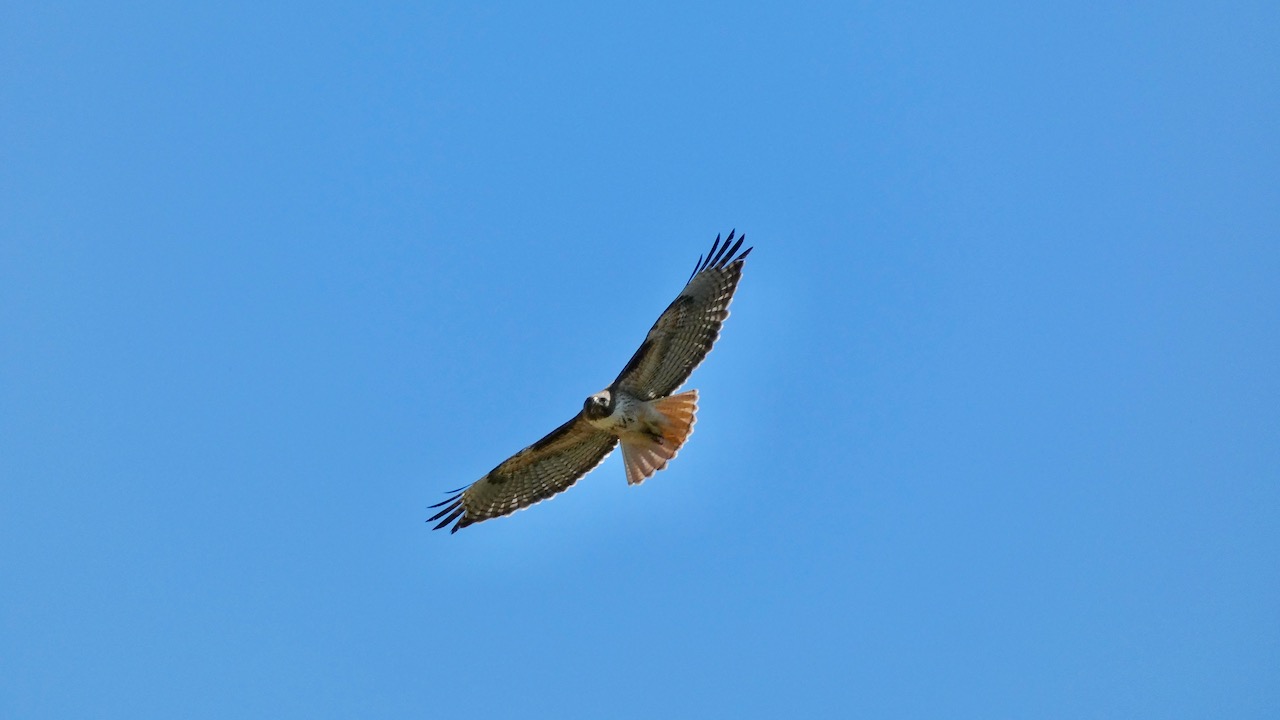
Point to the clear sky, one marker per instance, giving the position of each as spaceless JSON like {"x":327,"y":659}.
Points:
{"x":993,"y":432}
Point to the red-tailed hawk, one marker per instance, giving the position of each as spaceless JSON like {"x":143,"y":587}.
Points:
{"x":637,"y":410}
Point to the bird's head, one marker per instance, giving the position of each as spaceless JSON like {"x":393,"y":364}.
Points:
{"x":597,"y":406}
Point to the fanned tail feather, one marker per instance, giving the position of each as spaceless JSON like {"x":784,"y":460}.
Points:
{"x":644,"y":455}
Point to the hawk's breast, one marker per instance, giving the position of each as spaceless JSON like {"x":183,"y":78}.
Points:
{"x":629,"y":414}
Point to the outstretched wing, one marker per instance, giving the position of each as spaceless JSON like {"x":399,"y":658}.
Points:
{"x":532,"y":475}
{"x":684,"y":333}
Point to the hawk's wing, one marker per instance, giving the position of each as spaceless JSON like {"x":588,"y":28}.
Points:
{"x":537,"y":472}
{"x":684,"y":333}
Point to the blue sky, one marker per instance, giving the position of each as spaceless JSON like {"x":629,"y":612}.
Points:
{"x":994,"y":430}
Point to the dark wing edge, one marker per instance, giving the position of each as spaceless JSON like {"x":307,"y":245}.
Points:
{"x":711,"y":259}
{"x":722,"y":259}
{"x":454,"y":510}
{"x":545,"y":469}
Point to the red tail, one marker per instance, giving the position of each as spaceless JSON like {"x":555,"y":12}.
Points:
{"x":644,"y":455}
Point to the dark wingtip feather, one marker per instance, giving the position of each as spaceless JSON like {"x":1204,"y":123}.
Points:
{"x":696,"y":267}
{"x":726,"y":251}
{"x":453,"y":495}
{"x":714,"y":246}
{"x":452,"y":506}
{"x":451,"y":503}
{"x":728,"y":256}
{"x":452,"y":516}
{"x":722,"y":253}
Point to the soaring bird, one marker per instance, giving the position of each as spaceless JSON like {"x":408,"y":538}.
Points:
{"x":637,"y":410}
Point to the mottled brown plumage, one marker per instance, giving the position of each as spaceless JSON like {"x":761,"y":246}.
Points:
{"x":635,"y":409}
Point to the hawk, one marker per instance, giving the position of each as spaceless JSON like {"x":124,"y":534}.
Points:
{"x":638,"y":410}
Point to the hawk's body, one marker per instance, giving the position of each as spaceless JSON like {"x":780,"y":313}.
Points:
{"x":638,"y":410}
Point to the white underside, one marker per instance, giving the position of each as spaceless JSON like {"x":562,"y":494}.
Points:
{"x":630,"y":415}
